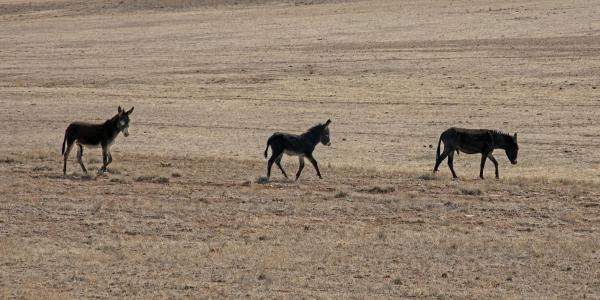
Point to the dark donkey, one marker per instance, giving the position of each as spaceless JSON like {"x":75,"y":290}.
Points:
{"x":473,"y":141}
{"x":297,"y":145}
{"x":95,"y":135}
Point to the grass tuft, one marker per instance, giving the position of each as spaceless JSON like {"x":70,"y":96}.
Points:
{"x":118,"y":180}
{"x":427,"y":176}
{"x":94,"y":160}
{"x":379,"y":190}
{"x":342,"y":194}
{"x":471,"y":191}
{"x":7,"y":160}
{"x":152,"y":178}
{"x":262,"y":180}
{"x":41,"y":168}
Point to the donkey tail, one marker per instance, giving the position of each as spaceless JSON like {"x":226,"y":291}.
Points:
{"x":63,"y":145}
{"x":437,"y":154}
{"x":267,"y":149}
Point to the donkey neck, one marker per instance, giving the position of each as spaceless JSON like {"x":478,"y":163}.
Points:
{"x":313,"y":135}
{"x":500,"y":139}
{"x":111,"y":127}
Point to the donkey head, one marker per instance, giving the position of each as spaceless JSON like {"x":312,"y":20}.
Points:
{"x":512,"y":149}
{"x":123,"y":120}
{"x":325,"y":135}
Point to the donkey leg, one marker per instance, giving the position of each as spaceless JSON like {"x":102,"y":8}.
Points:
{"x":80,"y":157}
{"x":278,"y":162}
{"x":440,"y":160}
{"x":491,"y":157}
{"x":274,"y":155}
{"x":482,"y":166}
{"x":66,"y":157}
{"x":108,"y":159}
{"x":104,"y":159}
{"x":301,"y":162}
{"x":313,"y":161}
{"x":451,"y":163}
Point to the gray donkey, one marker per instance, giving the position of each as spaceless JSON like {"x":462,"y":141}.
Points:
{"x":95,"y":135}
{"x":472,"y":141}
{"x":297,"y":145}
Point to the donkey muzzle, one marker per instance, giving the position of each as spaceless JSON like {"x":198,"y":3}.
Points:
{"x":514,"y":162}
{"x":328,"y":144}
{"x":126,"y":132}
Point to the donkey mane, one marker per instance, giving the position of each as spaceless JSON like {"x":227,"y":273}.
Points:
{"x":502,"y":140}
{"x":498,"y":132}
{"x":315,"y":130}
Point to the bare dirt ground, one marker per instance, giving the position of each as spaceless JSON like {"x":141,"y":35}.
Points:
{"x":180,"y":213}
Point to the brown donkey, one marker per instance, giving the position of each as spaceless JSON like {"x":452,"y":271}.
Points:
{"x":297,"y":145}
{"x":95,"y":135}
{"x":472,"y":141}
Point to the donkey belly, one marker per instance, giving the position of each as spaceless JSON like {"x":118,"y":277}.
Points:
{"x":87,"y":144}
{"x":92,"y":143}
{"x":293,"y":153}
{"x":468,"y":150}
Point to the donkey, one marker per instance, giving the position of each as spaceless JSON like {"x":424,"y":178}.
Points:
{"x":95,"y":135}
{"x":473,"y":141}
{"x":297,"y":145}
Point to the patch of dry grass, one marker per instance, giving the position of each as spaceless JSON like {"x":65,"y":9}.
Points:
{"x":532,"y":234}
{"x":379,"y":189}
{"x":471,"y":191}
{"x":152,"y":178}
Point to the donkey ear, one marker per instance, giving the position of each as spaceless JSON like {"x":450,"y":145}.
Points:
{"x":130,"y":111}
{"x":515,"y":137}
{"x":327,"y":123}
{"x":120,"y":110}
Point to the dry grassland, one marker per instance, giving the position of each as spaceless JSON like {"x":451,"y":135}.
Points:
{"x":181,"y":213}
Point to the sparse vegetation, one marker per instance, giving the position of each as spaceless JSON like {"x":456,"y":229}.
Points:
{"x":262,"y":180}
{"x":41,"y":168}
{"x":7,"y":160}
{"x":118,"y":180}
{"x":427,"y":176}
{"x":342,"y":194}
{"x":209,"y":91}
{"x":379,"y":190}
{"x":152,"y":178}
{"x":471,"y":191}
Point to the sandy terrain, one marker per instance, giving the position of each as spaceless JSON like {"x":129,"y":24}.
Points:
{"x":181,"y":214}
